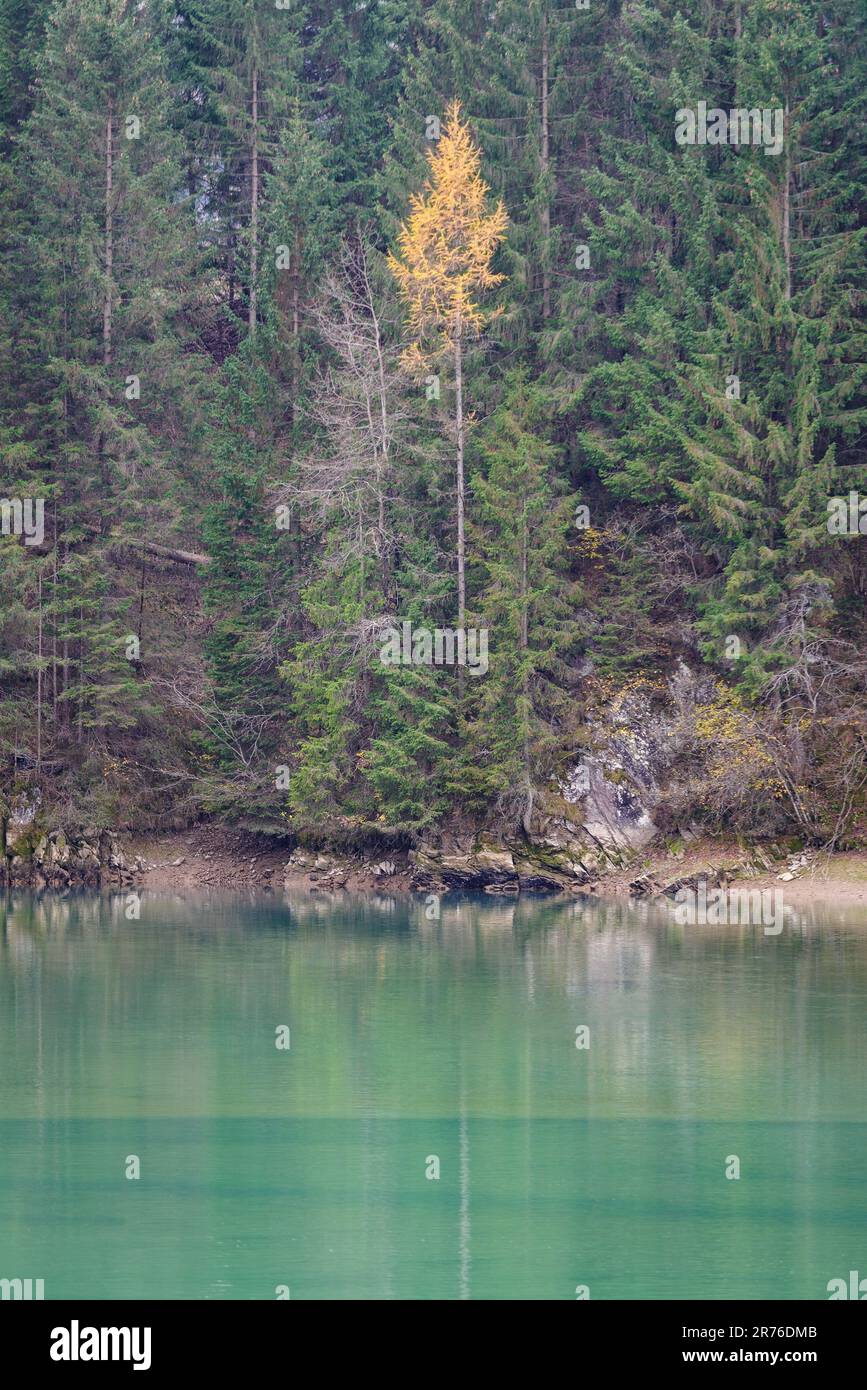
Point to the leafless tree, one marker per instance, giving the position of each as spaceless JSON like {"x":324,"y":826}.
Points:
{"x":358,"y":412}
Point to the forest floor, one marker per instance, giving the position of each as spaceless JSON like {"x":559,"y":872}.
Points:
{"x":216,"y":856}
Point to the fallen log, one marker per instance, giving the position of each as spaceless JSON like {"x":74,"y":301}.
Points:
{"x":162,"y":552}
{"x":165,"y":552}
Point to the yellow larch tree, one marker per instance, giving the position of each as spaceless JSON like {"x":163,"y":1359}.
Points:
{"x":444,"y":265}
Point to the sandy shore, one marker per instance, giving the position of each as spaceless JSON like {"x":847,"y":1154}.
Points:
{"x":840,"y":879}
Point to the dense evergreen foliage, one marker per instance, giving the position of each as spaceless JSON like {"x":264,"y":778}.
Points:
{"x":286,"y":371}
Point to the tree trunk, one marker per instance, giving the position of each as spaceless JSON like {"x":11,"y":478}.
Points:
{"x":108,"y":297}
{"x":54,"y":632}
{"x":295,"y":356}
{"x":141,"y":594}
{"x":254,"y":205}
{"x":525,"y":685}
{"x":545,"y":163}
{"x":296,"y":288}
{"x":81,"y":673}
{"x":459,"y":424}
{"x":39,"y":685}
{"x":109,"y":236}
{"x":787,"y":201}
{"x":65,"y":711}
{"x":382,"y":452}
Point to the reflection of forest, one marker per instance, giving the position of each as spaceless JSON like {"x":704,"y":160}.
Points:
{"x":395,"y":1014}
{"x":413,"y":1037}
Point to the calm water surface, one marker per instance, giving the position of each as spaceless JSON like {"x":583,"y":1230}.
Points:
{"x":413,"y":1040}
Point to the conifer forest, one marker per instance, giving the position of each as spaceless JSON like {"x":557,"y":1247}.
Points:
{"x":406,"y":403}
{"x":433,"y":672}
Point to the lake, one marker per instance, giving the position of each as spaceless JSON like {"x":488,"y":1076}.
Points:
{"x":427,"y":1127}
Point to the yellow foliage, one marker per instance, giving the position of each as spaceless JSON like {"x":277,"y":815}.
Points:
{"x":447,"y":245}
{"x":590,"y":542}
{"x":734,"y":747}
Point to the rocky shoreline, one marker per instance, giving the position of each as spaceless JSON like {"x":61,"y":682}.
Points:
{"x":57,"y":861}
{"x":622,"y":821}
{"x":215,"y":857}
{"x":488,"y":868}
{"x":219,"y":857}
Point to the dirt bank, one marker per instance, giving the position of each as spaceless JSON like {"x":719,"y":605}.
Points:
{"x":206,"y":856}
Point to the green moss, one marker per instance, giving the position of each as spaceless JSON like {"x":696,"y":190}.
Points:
{"x":27,"y":841}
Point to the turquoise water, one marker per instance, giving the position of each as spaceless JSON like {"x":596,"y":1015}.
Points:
{"x":304,"y":1168}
